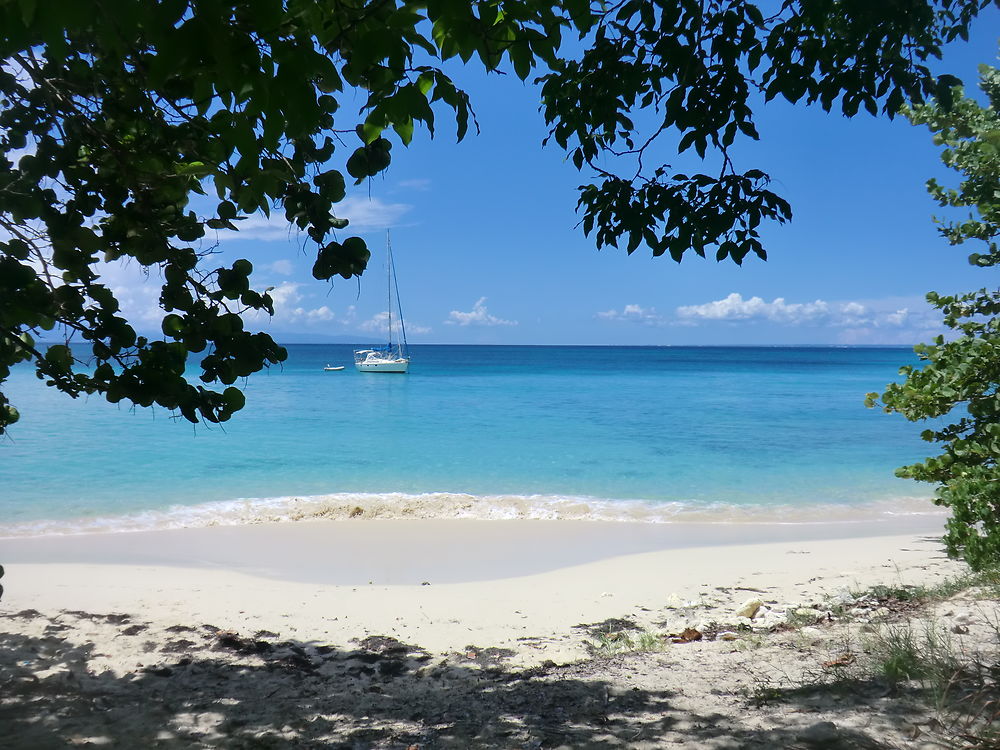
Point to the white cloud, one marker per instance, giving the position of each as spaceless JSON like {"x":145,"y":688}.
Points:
{"x":365,"y":214}
{"x":898,"y":318}
{"x":319,"y":313}
{"x":478,"y":316}
{"x":874,"y":314}
{"x":734,"y":307}
{"x":138,"y":294}
{"x":853,"y":308}
{"x":634,"y":313}
{"x":288,"y":308}
{"x":379,"y":323}
{"x":137,"y":291}
{"x":884,"y":321}
{"x":273,"y":228}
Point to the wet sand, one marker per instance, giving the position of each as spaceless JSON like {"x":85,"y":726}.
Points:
{"x":410,"y":551}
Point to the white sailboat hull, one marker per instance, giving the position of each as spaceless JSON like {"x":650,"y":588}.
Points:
{"x":399,"y":365}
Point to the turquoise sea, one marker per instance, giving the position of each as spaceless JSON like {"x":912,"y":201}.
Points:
{"x":654,"y":433}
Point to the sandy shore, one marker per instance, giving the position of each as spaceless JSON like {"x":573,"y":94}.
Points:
{"x":183,"y":617}
{"x":445,"y":584}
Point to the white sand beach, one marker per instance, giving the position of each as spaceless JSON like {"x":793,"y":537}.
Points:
{"x":444,"y":584}
{"x":417,"y":630}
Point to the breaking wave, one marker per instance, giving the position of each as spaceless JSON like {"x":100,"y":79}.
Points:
{"x":351,"y":506}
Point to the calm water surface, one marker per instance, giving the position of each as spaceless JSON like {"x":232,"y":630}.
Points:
{"x":494,"y":430}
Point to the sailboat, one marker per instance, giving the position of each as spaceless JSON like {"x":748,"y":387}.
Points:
{"x":393,"y":357}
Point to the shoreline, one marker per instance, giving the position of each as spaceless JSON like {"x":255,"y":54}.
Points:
{"x":460,"y":506}
{"x":410,"y":551}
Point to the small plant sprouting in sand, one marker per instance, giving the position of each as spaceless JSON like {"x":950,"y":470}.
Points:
{"x":796,"y":619}
{"x":927,"y":655}
{"x":899,"y":592}
{"x":621,"y":642}
{"x":769,"y":684}
{"x":763,"y":691}
{"x":649,"y":641}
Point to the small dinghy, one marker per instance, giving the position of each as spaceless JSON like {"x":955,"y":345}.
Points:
{"x":331,"y":368}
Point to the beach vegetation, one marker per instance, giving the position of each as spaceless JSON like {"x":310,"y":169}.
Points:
{"x":960,"y":686}
{"x":804,"y":617}
{"x":136,"y":133}
{"x":986,"y":581}
{"x":907,"y":652}
{"x":957,"y":383}
{"x":764,"y":691}
{"x":919,"y":658}
{"x":889,"y":601}
{"x":616,"y":642}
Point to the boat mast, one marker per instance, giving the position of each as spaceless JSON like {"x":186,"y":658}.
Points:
{"x":399,"y":307}
{"x":388,"y":279}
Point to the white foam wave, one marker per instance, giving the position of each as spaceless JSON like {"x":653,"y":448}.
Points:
{"x":444,"y":505}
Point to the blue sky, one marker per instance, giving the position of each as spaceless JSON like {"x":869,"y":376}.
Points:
{"x":488,"y":250}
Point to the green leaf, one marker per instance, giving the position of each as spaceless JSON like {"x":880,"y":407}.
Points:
{"x":227,"y":210}
{"x":60,"y":356}
{"x":8,"y":415}
{"x":520,"y":56}
{"x":173,"y":326}
{"x":193,"y":169}
{"x":370,"y":132}
{"x":425,"y":81}
{"x":404,"y":130}
{"x":234,"y":398}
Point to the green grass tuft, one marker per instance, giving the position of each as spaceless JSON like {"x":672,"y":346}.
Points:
{"x":621,"y":642}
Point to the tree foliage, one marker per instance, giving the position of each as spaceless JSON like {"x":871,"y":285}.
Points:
{"x":701,"y":67}
{"x":131,"y":132}
{"x":960,"y":376}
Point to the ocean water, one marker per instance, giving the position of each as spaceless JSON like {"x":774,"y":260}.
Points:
{"x":653,"y":433}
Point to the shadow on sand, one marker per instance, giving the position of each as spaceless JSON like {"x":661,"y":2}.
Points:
{"x":202,"y":687}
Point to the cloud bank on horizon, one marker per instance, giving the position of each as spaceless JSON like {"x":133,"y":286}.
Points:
{"x":297,"y":309}
{"x":861,"y":322}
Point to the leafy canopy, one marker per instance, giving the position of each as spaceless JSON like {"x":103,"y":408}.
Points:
{"x":119,"y":123}
{"x":960,"y":377}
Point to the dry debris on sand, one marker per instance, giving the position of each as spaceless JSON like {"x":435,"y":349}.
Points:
{"x":757,"y":674}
